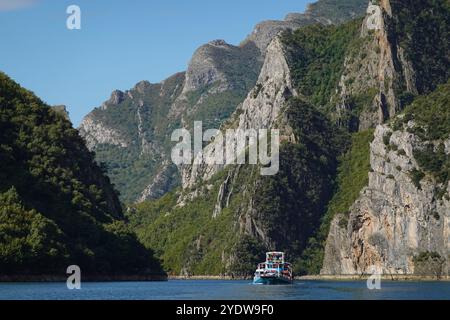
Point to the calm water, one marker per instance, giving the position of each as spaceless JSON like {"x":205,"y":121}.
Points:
{"x":216,"y":290}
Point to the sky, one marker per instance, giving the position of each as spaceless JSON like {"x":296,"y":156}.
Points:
{"x":120,"y":42}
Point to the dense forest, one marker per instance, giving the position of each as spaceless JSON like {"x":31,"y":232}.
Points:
{"x":57,"y":207}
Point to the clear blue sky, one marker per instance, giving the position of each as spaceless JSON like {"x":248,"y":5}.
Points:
{"x":121,"y":42}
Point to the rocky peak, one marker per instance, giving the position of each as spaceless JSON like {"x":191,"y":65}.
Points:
{"x":274,"y":87}
{"x":215,"y":68}
{"x":142,"y":86}
{"x":116,"y":98}
{"x":258,"y":111}
{"x":213,"y":63}
{"x":202,"y":69}
{"x":218,"y":43}
{"x":265,"y":31}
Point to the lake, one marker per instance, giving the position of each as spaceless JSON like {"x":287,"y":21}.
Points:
{"x":226,"y":290}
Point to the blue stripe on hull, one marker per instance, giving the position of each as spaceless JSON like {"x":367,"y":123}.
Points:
{"x":271,"y":281}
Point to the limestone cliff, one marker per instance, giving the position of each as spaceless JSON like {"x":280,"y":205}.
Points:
{"x":387,"y":67}
{"x":96,"y":133}
{"x":398,"y":218}
{"x":374,"y":73}
{"x":258,"y":111}
{"x":266,"y":211}
{"x":400,"y":222}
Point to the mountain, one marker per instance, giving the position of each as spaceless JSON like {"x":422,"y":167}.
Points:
{"x":331,"y":90}
{"x":130,"y":132}
{"x":224,"y":218}
{"x":57,"y":207}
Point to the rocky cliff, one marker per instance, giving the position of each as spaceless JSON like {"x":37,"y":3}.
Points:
{"x":401,"y":221}
{"x":399,"y":224}
{"x":386,"y":69}
{"x":259,"y":110}
{"x":324,"y":12}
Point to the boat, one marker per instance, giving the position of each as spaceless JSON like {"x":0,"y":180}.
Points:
{"x":274,"y":270}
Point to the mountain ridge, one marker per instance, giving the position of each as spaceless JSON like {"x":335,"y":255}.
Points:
{"x":218,"y":79}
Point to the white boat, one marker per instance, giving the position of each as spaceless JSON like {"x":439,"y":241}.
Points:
{"x":274,"y":270}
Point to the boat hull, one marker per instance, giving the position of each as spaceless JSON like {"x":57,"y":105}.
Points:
{"x":271,"y":280}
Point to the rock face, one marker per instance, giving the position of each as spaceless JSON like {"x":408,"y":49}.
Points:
{"x":214,"y":63}
{"x":135,"y":124}
{"x":161,"y":183}
{"x":274,"y":86}
{"x":375,"y":73}
{"x":394,"y":220}
{"x":96,"y":133}
{"x":265,"y":31}
{"x":258,"y":111}
{"x":394,"y":223}
{"x":392,"y":61}
{"x":398,"y":222}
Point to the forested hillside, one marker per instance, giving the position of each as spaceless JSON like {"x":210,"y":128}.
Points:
{"x":57,"y":207}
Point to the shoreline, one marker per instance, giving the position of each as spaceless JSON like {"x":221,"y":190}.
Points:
{"x":162,"y":278}
{"x":207,"y":277}
{"x":84,"y":278}
{"x":385,"y":277}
